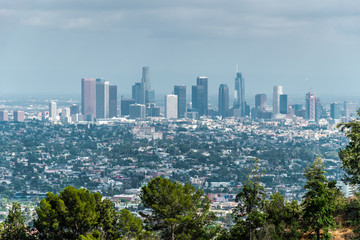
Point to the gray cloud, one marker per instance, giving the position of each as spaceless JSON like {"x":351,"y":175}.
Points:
{"x":279,"y":39}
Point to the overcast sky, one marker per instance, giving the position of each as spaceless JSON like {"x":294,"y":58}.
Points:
{"x":47,"y":46}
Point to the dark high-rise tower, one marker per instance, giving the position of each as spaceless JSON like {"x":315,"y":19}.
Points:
{"x":113,"y":101}
{"x":102,"y":98}
{"x":180,"y":91}
{"x":136,"y":92}
{"x":239,"y":101}
{"x":200,"y":96}
{"x":284,"y":104}
{"x":223,"y":100}
{"x":260,"y":101}
{"x":88,"y":97}
{"x":335,"y":110}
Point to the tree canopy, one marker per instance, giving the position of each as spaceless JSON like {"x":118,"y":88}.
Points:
{"x":176,"y":211}
{"x":319,"y":201}
{"x":350,"y":155}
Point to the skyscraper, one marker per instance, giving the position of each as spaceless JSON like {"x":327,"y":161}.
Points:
{"x":125,"y":105}
{"x":52,"y":111}
{"x":4,"y":115}
{"x":239,"y":98}
{"x":88,"y":97}
{"x":113,"y":104}
{"x":200,"y":96}
{"x":349,"y":109}
{"x":278,"y":90}
{"x":102,"y":98}
{"x":260,"y":101}
{"x":74,"y":109}
{"x":146,"y":94}
{"x":180,"y":91}
{"x":19,"y":116}
{"x":171,"y":103}
{"x":223,"y":100}
{"x":335,"y":110}
{"x":310,"y":106}
{"x":284,"y":104}
{"x":136,"y":92}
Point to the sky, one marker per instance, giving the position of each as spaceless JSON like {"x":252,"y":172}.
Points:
{"x":47,"y":46}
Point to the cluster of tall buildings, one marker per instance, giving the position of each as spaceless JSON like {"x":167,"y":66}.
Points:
{"x":99,"y":101}
{"x":98,"y":98}
{"x":17,"y":116}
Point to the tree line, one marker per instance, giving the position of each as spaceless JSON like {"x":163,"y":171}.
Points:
{"x":173,"y":210}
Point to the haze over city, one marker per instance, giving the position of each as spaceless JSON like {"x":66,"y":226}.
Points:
{"x":48,"y":46}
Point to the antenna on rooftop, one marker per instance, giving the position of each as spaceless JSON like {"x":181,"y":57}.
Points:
{"x":237,"y":68}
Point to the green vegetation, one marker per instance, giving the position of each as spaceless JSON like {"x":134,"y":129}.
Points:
{"x":177,"y":211}
{"x":319,"y":201}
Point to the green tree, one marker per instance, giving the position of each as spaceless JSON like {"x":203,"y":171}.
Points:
{"x":282,"y":218}
{"x":14,"y":226}
{"x":176,"y":211}
{"x":319,"y":201}
{"x":350,"y":155}
{"x":249,"y":214}
{"x":131,"y":226}
{"x":73,"y":213}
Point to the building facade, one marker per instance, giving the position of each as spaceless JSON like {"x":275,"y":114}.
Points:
{"x":88,"y":97}
{"x":180,"y":91}
{"x":239,"y":98}
{"x":223,"y":102}
{"x":113,"y":101}
{"x":277,"y":91}
{"x":171,"y":106}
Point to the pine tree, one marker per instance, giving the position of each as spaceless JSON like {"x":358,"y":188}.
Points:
{"x":249,"y":214}
{"x":319,"y":201}
{"x":176,"y":211}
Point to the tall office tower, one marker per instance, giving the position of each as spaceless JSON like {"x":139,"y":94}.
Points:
{"x":146,"y":94}
{"x":102,"y":98}
{"x":19,"y":116}
{"x":284,"y":104}
{"x":137,"y":111}
{"x":88,"y":97}
{"x":52,"y":111}
{"x":239,"y":98}
{"x":335,"y":110}
{"x":150,"y":96}
{"x":200,"y":96}
{"x":180,"y":91}
{"x":223,"y":100}
{"x":319,"y":110}
{"x":349,"y":109}
{"x":74,"y":109}
{"x":136,"y":92}
{"x":171,"y":109}
{"x":4,"y":116}
{"x":310,"y":106}
{"x":260,"y":101}
{"x":125,"y":105}
{"x":278,"y":90}
{"x":113,"y":101}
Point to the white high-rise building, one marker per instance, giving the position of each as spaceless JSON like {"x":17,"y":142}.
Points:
{"x":171,"y":108}
{"x":52,"y":111}
{"x":278,"y":90}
